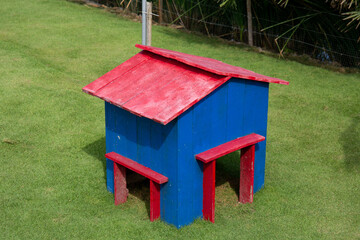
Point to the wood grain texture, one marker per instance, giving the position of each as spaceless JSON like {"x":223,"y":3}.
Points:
{"x":229,"y":147}
{"x":120,"y":190}
{"x":255,"y":121}
{"x":212,"y":65}
{"x":136,"y":167}
{"x":246,"y":188}
{"x":160,"y":84}
{"x":209,"y":191}
{"x":155,"y":87}
{"x":154,"y":201}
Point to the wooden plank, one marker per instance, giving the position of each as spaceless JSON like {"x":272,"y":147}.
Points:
{"x":136,"y":167}
{"x":120,"y":190}
{"x":134,"y":82}
{"x":143,"y":141}
{"x":235,"y":109}
{"x":209,"y":191}
{"x":111,"y":76}
{"x":246,"y":188}
{"x":255,"y":120}
{"x":168,"y":162}
{"x":167,"y":102}
{"x":212,"y":65}
{"x":154,"y":201}
{"x":111,"y":143}
{"x":190,"y":172}
{"x":229,"y":147}
{"x":163,"y":93}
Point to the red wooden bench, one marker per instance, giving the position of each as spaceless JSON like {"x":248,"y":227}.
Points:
{"x":247,"y":146}
{"x":120,"y":190}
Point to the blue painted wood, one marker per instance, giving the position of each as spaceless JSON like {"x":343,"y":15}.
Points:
{"x":210,"y":120}
{"x":199,"y":129}
{"x":255,"y":120}
{"x":169,"y":163}
{"x":235,"y":109}
{"x":150,"y":144}
{"x":110,"y":145}
{"x":144,"y":143}
{"x":120,"y":137}
{"x":190,"y":173}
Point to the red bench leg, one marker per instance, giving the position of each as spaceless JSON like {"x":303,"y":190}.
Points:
{"x":209,"y":191}
{"x":154,"y":201}
{"x":120,"y":190}
{"x":247,"y":174}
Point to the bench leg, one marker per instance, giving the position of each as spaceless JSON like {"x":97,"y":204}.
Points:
{"x":120,"y":190}
{"x":154,"y":201}
{"x":247,"y":174}
{"x":209,"y":191}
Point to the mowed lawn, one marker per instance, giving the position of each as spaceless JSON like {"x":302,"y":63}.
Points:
{"x":52,"y":141}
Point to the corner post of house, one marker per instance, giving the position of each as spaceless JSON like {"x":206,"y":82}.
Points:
{"x":120,"y":190}
{"x":209,"y":191}
{"x":246,"y":191}
{"x":154,"y":200}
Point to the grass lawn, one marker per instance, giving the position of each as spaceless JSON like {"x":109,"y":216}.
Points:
{"x":52,"y":141}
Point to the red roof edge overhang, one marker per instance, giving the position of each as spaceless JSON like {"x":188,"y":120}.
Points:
{"x":160,"y":84}
{"x":211,"y":65}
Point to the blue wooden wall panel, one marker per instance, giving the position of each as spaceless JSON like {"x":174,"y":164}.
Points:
{"x":190,"y":173}
{"x":255,"y":120}
{"x":210,"y":120}
{"x":235,"y":109}
{"x":150,"y":144}
{"x":199,"y":128}
{"x":144,"y":142}
{"x":168,"y":160}
{"x":110,"y":145}
{"x":120,"y":137}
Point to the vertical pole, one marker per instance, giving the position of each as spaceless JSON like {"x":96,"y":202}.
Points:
{"x":249,"y":20}
{"x":148,"y":22}
{"x":143,"y":17}
{"x":247,"y":174}
{"x":154,"y":201}
{"x":120,"y":190}
{"x":209,"y":191}
{"x":160,"y":11}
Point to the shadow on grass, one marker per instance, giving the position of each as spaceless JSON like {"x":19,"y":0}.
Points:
{"x":350,"y":140}
{"x":97,"y":149}
{"x":228,"y":170}
{"x":139,"y":186}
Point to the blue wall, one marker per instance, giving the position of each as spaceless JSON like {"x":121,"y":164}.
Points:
{"x":237,"y":108}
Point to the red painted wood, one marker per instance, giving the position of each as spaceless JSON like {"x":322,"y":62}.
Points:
{"x":120,"y":190}
{"x":155,"y":87}
{"x":212,"y":65}
{"x":247,"y":174}
{"x":229,"y":147}
{"x":136,"y":167}
{"x":209,"y":191}
{"x":111,"y":76}
{"x":168,"y":101}
{"x":154,"y":200}
{"x":161,"y":84}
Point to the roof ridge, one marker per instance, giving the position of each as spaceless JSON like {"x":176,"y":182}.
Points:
{"x":211,"y":65}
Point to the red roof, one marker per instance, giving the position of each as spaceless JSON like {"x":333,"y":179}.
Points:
{"x":161,"y":84}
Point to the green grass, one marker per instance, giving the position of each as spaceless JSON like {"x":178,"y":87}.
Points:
{"x":52,"y":136}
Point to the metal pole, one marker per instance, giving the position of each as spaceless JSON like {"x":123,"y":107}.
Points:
{"x":143,"y":15}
